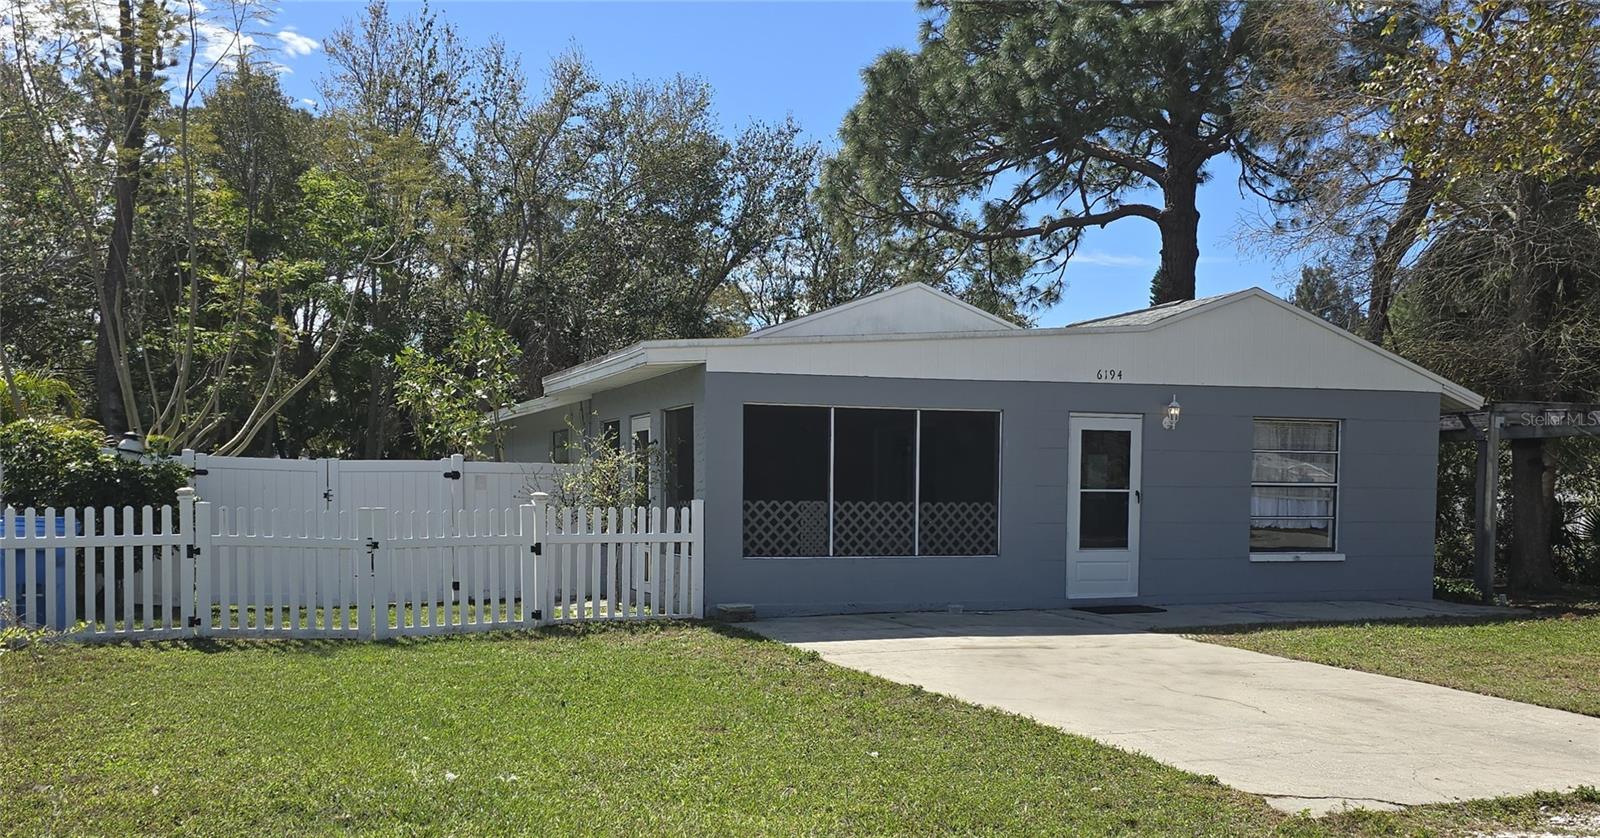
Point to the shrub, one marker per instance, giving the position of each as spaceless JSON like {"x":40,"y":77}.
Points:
{"x":61,"y":464}
{"x":1456,"y":589}
{"x":601,"y":472}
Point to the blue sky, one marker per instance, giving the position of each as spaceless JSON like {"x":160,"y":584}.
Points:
{"x":768,"y":60}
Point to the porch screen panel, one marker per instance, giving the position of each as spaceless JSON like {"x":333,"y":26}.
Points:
{"x":960,"y":481}
{"x":874,"y":482}
{"x":786,"y":452}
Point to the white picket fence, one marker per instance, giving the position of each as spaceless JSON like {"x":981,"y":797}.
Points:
{"x":374,"y":574}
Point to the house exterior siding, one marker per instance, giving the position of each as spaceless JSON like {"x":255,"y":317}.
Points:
{"x":1194,"y":529}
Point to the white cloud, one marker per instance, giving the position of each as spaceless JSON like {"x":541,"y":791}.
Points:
{"x":1112,"y":260}
{"x":296,"y":44}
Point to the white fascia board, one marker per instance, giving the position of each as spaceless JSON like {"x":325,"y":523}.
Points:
{"x":540,"y":405}
{"x":651,"y":357}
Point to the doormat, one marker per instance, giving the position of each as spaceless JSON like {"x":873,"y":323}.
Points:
{"x":1120,"y":609}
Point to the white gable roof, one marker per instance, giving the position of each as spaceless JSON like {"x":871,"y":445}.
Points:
{"x":1249,"y":338}
{"x":906,"y":309}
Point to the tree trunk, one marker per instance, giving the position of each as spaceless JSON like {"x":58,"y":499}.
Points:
{"x":1180,"y":238}
{"x":1531,"y":567}
{"x":1397,"y":241}
{"x":112,"y":385}
{"x":1533,"y":492}
{"x":377,"y":437}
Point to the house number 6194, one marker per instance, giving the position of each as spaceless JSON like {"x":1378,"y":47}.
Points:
{"x":1107,"y":375}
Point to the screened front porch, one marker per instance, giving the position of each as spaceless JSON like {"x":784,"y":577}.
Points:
{"x":824,"y":481}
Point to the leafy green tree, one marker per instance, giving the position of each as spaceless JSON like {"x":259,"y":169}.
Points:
{"x":1032,"y":122}
{"x":454,"y":399}
{"x":25,"y":395}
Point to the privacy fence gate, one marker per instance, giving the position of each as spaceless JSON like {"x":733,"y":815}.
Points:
{"x":205,"y":571}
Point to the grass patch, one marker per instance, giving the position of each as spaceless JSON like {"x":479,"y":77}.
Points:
{"x":1551,"y":658}
{"x":671,"y":728}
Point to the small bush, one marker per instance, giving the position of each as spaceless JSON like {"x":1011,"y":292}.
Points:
{"x":1456,"y":589}
{"x":61,"y":464}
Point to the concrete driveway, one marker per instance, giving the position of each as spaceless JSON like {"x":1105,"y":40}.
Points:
{"x":1304,"y":735}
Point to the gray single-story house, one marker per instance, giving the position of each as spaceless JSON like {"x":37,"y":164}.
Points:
{"x":908,"y":451}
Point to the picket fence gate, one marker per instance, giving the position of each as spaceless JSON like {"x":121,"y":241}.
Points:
{"x":378,"y":573}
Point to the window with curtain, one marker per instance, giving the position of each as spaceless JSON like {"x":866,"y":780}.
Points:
{"x":823,"y":481}
{"x":1294,"y":485}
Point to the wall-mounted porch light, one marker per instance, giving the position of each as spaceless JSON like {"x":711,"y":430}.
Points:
{"x":1170,"y":421}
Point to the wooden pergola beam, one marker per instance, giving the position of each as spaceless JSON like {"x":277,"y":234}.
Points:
{"x":1486,"y":508}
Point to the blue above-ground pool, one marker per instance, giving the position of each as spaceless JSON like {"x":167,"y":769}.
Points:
{"x":16,"y":561}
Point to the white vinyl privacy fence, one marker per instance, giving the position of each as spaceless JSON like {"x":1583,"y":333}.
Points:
{"x":346,"y":486}
{"x":377,"y":573}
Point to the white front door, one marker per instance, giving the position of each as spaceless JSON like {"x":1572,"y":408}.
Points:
{"x":1103,"y":499}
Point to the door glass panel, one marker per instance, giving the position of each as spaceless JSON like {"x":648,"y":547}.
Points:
{"x":641,"y":467}
{"x":1102,"y":520}
{"x":1104,"y":459}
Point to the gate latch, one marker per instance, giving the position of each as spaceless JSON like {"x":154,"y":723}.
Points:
{"x":452,"y":475}
{"x":372,"y":545}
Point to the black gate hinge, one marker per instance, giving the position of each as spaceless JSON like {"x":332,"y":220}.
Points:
{"x":327,"y":495}
{"x":538,"y":613}
{"x":452,"y":475}
{"x":536,"y":549}
{"x":372,"y":545}
{"x":191,"y":550}
{"x":194,"y":622}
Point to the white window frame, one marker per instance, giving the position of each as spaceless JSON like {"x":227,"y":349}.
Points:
{"x":1332,"y":554}
{"x":916,"y":488}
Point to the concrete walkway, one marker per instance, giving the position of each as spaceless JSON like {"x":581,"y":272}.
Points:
{"x":1304,"y":735}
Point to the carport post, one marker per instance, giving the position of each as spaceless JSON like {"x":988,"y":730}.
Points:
{"x":1487,"y":505}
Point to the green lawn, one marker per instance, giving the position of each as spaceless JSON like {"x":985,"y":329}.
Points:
{"x":1552,"y":658}
{"x":672,"y":729}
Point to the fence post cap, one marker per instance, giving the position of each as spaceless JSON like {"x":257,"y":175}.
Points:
{"x":185,"y":493}
{"x":539,"y":497}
